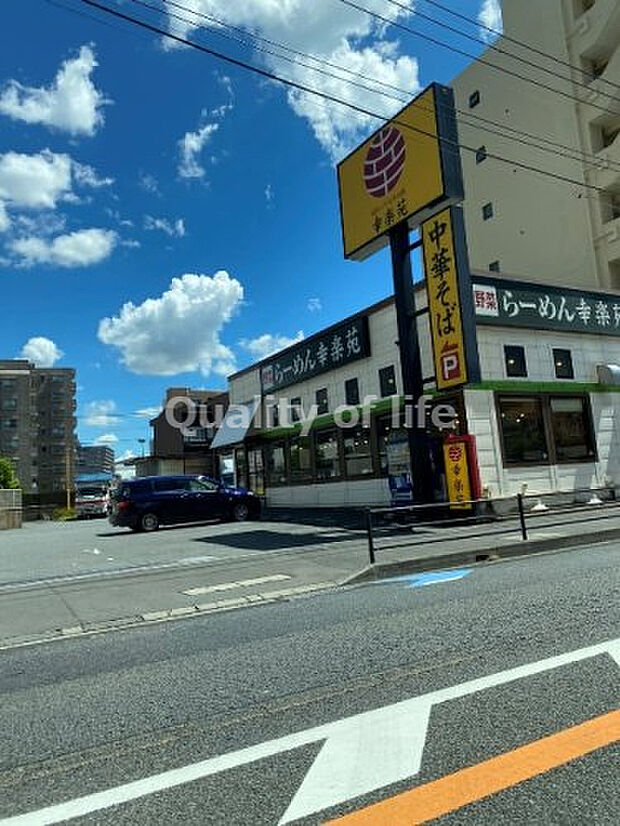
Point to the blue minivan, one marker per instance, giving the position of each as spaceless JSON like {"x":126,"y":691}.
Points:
{"x":145,"y":504}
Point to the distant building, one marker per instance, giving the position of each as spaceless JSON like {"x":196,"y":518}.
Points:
{"x":94,"y":459}
{"x":186,"y":448}
{"x":37,"y":424}
{"x":522,"y":223}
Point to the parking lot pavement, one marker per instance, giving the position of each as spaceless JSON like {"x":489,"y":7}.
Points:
{"x":49,"y":550}
{"x":75,"y":578}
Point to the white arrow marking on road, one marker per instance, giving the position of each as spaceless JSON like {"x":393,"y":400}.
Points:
{"x":367,"y":753}
{"x":352,"y":731}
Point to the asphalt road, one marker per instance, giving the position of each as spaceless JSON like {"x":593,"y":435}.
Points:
{"x":79,"y":717}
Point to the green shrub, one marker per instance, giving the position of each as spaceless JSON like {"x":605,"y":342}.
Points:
{"x":63,"y":514}
{"x":8,"y":479}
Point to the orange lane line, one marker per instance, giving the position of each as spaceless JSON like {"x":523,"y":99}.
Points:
{"x":456,"y":790}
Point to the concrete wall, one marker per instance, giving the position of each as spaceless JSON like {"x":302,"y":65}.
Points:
{"x":10,"y":509}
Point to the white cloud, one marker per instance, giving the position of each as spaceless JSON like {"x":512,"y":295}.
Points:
{"x":331,"y":31}
{"x":179,"y":331}
{"x":147,"y":412}
{"x":490,"y":17}
{"x":106,"y":439}
{"x":41,"y":351}
{"x":314,"y":305}
{"x":82,"y":248}
{"x":87,"y":176}
{"x":267,"y":344}
{"x":150,"y":184}
{"x":35,"y":181}
{"x":100,"y":413}
{"x":269,"y":194}
{"x":72,"y":103}
{"x":175,"y":229}
{"x":190,"y":147}
{"x":5,"y":221}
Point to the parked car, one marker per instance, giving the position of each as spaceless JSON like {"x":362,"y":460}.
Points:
{"x":145,"y":504}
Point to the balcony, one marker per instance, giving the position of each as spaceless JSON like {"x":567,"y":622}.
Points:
{"x":602,"y":95}
{"x":597,"y":31}
{"x":607,"y":168}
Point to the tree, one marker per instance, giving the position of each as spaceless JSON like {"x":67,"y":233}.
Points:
{"x":8,"y":479}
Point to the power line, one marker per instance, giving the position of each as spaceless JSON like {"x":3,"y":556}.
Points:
{"x":507,"y":38}
{"x":326,"y":96}
{"x":478,"y":59}
{"x":493,"y":47}
{"x":518,"y":136}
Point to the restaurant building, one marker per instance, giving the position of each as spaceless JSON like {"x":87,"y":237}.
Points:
{"x":321,"y":422}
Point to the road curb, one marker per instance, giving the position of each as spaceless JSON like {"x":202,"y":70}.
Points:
{"x":488,"y":553}
{"x":87,"y":629}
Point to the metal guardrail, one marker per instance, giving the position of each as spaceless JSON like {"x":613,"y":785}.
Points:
{"x":516,"y":510}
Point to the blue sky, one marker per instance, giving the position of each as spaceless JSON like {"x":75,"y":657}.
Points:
{"x":166,"y":218}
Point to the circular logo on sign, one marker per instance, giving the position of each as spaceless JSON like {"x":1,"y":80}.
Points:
{"x":384,"y":162}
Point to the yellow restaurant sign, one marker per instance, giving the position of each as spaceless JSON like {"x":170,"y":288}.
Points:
{"x":444,"y":302}
{"x":401,"y":171}
{"x":457,"y":472}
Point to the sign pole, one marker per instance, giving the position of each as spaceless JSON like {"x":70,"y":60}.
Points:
{"x":410,"y":361}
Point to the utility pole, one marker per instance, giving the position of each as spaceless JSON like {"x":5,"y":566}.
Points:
{"x":410,"y":362}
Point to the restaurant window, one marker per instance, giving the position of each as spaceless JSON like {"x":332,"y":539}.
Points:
{"x":296,"y":409}
{"x":570,"y":426}
{"x":300,"y":459}
{"x":357,"y":453}
{"x":392,"y":445}
{"x":387,"y":381}
{"x":523,"y":431}
{"x":241,"y":468}
{"x":256,"y":471}
{"x":322,"y":404}
{"x":563,"y":364}
{"x":352,"y":392}
{"x":276,"y":465}
{"x":326,"y":456}
{"x":514,"y":359}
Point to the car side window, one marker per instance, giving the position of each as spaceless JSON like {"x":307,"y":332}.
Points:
{"x":202,"y":485}
{"x":162,"y":485}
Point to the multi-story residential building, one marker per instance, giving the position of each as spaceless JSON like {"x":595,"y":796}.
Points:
{"x":184,"y":449}
{"x":94,"y":459}
{"x":564,"y":121}
{"x":37,"y":424}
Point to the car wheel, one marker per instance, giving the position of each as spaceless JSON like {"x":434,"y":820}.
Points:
{"x":149,"y":522}
{"x":240,"y":512}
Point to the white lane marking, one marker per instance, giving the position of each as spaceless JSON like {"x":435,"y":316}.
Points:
{"x":346,"y":730}
{"x":241,"y":583}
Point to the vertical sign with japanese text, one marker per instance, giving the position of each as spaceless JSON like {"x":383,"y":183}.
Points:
{"x":448,"y":317}
{"x":457,"y":472}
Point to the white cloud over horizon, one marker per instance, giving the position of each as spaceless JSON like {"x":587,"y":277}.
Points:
{"x":41,"y":351}
{"x":490,"y":17}
{"x":82,"y":248}
{"x":179,"y":331}
{"x":71,"y":103}
{"x":100,"y":414}
{"x":106,"y":439}
{"x":268,"y":344}
{"x":337,"y":33}
{"x":174,"y":229}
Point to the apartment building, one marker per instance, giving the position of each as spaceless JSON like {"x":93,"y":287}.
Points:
{"x":564,"y":121}
{"x":37,"y":424}
{"x":94,"y":459}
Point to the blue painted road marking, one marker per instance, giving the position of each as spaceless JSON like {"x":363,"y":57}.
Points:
{"x":430,"y":578}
